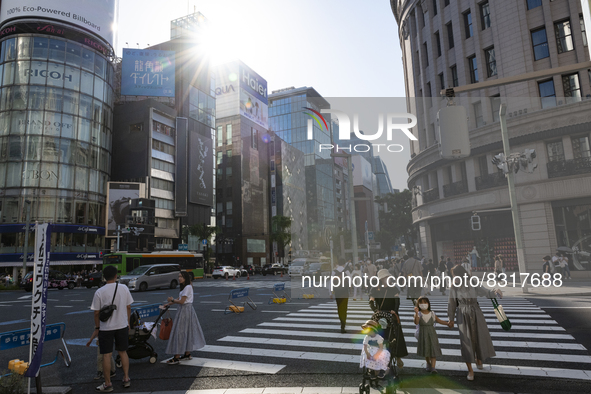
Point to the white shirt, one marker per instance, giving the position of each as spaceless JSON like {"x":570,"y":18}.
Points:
{"x":104,"y":296}
{"x":188,"y":292}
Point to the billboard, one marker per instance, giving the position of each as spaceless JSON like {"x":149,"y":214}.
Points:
{"x":147,"y":72}
{"x":362,"y":175}
{"x":242,"y":91}
{"x":96,"y":16}
{"x":118,"y":195}
{"x":200,"y":169}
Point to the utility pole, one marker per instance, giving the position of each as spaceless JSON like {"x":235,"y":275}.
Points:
{"x":512,"y":196}
{"x":25,"y":248}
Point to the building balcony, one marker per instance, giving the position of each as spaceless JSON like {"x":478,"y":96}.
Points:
{"x":453,"y":189}
{"x":431,"y":195}
{"x":490,"y":180}
{"x":561,"y":168}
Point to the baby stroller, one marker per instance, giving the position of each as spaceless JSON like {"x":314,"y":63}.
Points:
{"x":388,"y":323}
{"x":139,"y":334}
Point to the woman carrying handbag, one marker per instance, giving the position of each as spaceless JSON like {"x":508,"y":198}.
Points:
{"x":186,"y":334}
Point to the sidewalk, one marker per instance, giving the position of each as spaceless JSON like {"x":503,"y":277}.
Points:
{"x":316,"y":390}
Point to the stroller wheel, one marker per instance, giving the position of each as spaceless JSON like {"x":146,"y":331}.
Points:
{"x":153,"y":358}
{"x":363,"y":388}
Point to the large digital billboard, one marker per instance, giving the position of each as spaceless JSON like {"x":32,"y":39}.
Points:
{"x":242,"y":91}
{"x":362,"y":175}
{"x":147,"y":72}
{"x":200,"y":169}
{"x":118,"y":195}
{"x":96,"y":16}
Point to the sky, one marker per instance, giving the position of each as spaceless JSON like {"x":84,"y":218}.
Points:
{"x":342,"y":48}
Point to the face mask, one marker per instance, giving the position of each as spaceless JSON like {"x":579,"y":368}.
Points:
{"x":423,"y":306}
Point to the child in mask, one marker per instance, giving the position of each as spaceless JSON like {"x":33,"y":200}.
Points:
{"x":428,"y":344}
{"x":373,"y":356}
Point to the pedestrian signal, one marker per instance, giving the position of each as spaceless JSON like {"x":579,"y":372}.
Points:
{"x":475,"y":221}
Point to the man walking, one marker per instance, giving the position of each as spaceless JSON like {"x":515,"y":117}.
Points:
{"x":412,"y":267}
{"x":341,"y":293}
{"x":116,"y":329}
{"x":442,"y":268}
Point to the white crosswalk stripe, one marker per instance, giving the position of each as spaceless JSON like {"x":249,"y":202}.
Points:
{"x":532,"y":348}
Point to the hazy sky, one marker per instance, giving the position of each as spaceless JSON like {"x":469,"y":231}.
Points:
{"x":342,"y":48}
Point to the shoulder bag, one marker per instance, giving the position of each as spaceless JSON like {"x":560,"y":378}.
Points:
{"x":107,"y":311}
{"x":165,"y":328}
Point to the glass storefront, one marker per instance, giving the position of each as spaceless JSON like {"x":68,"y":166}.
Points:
{"x":572,"y":220}
{"x":56,"y":100}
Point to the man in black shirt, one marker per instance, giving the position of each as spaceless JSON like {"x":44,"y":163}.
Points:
{"x":341,"y":293}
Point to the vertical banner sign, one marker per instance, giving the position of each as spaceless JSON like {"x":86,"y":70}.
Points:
{"x":39,"y":299}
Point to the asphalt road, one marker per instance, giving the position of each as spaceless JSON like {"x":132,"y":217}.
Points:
{"x":299,"y":344}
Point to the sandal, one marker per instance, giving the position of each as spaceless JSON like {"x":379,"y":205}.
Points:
{"x":185,"y":357}
{"x":173,"y":361}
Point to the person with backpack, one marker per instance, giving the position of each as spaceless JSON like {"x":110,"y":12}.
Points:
{"x":441,"y":268}
{"x":341,"y":293}
{"x":112,"y":308}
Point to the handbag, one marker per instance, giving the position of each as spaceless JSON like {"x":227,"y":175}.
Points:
{"x":107,"y":311}
{"x":503,"y":319}
{"x":165,"y":328}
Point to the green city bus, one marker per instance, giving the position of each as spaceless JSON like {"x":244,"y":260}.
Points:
{"x":125,"y":261}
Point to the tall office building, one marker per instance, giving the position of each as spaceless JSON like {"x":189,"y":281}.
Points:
{"x":288,"y":120}
{"x":457,"y":43}
{"x":243,"y":161}
{"x":57,"y":83}
{"x":165,"y":124}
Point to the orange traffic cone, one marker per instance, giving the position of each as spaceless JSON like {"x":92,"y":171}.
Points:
{"x":234,"y":277}
{"x":248,"y":276}
{"x":281,"y":274}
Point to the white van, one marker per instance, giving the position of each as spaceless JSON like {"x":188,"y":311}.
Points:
{"x":152,"y":276}
{"x":299,"y":265}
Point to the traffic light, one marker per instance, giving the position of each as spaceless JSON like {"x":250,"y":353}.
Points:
{"x":475,"y":222}
{"x":501,"y":163}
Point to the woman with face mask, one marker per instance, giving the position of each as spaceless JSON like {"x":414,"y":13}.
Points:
{"x":428,"y":343}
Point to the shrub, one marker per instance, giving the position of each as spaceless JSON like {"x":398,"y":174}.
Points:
{"x":12,"y":384}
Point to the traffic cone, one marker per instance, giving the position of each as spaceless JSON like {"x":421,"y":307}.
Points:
{"x":248,"y":276}
{"x":234,"y":277}
{"x":281,"y":274}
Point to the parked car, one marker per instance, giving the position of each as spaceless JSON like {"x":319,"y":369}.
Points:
{"x":274,"y":269}
{"x":56,"y":280}
{"x":225,"y":271}
{"x":317,"y":269}
{"x":249,"y":269}
{"x":299,"y":265}
{"x":258,"y":270}
{"x":153,"y":276}
{"x":93,"y":279}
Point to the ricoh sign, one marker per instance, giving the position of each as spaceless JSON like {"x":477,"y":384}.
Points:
{"x":96,"y":16}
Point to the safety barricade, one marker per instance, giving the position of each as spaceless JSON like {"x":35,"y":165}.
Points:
{"x":239,"y":293}
{"x":280,"y":298}
{"x":13,"y":339}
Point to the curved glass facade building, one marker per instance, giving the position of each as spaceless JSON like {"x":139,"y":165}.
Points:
{"x":56,"y":106}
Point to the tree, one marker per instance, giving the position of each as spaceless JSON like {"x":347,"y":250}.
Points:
{"x":202,"y":231}
{"x":396,"y":222}
{"x":281,"y":232}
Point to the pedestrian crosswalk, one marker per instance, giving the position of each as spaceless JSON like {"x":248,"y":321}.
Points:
{"x":536,"y":346}
{"x":242,"y":282}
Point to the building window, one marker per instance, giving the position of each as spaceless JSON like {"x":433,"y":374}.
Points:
{"x":483,"y":165}
{"x":540,"y":42}
{"x":254,"y":138}
{"x":229,"y":222}
{"x":485,"y":15}
{"x":229,"y":153}
{"x":454,"y":76}
{"x":555,"y":151}
{"x":583,"y":31}
{"x":219,"y":158}
{"x":425,"y":54}
{"x":229,"y":171}
{"x":495,"y":105}
{"x":446,"y":3}
{"x":473,"y":69}
{"x":531,"y":4}
{"x":572,"y":87}
{"x":163,"y":129}
{"x":220,"y":136}
{"x":220,"y":207}
{"x":581,"y":147}
{"x":229,"y":208}
{"x":450,"y":35}
{"x":201,"y":107}
{"x":547,"y":93}
{"x":441,"y":81}
{"x":228,"y":192}
{"x":468,"y":23}
{"x":136,"y":127}
{"x":434,"y":7}
{"x":229,"y":134}
{"x":438,"y":41}
{"x":564,"y":37}
{"x":478,"y":114}
{"x":423,"y":18}
{"x":491,"y":62}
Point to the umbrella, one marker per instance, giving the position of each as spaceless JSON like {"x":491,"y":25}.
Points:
{"x":564,"y":249}
{"x":503,"y":319}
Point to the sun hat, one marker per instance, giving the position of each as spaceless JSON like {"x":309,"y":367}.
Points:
{"x":383,"y":273}
{"x":371,"y":324}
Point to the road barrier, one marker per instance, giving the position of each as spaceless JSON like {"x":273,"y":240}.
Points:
{"x":13,"y":339}
{"x":279,"y":298}
{"x":239,"y":293}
